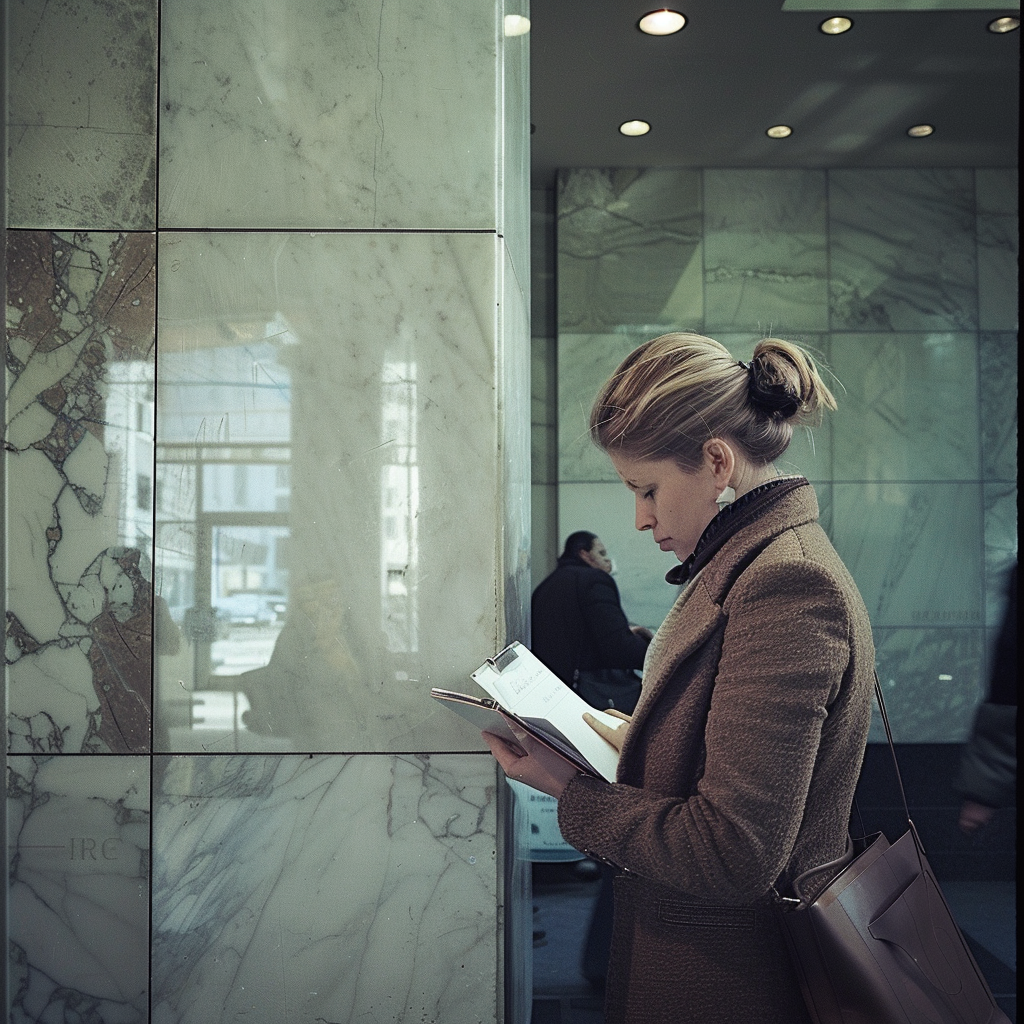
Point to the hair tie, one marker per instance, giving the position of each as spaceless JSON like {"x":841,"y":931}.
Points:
{"x":746,"y":366}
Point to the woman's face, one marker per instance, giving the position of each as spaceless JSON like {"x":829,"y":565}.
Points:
{"x":597,"y":557}
{"x":674,"y":505}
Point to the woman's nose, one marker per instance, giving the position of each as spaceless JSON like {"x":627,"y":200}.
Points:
{"x":644,"y":520}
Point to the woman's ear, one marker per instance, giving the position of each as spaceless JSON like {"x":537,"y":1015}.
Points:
{"x":720,"y":460}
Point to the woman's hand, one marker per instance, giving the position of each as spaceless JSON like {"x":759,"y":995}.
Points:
{"x":533,"y":764}
{"x":606,"y":732}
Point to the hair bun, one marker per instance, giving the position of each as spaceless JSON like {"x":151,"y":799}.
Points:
{"x":773,"y":397}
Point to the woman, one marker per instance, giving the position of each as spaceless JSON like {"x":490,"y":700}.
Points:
{"x":738,"y":767}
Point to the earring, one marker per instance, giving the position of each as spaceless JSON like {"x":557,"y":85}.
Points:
{"x":727,"y":497}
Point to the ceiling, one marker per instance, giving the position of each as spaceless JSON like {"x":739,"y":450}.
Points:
{"x":741,"y":66}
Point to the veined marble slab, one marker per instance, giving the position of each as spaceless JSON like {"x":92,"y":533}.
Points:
{"x":902,"y":245}
{"x":932,"y":680}
{"x":914,"y":549}
{"x":908,"y":407}
{"x":629,"y":250}
{"x":765,"y":251}
{"x":81,"y":114}
{"x":324,"y":888}
{"x":78,"y":457}
{"x":362,"y":370}
{"x":364,"y":115}
{"x":78,"y":888}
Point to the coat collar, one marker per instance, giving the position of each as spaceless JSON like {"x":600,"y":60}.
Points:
{"x":697,"y":613}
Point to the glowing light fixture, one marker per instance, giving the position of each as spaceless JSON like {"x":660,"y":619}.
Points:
{"x":1004,"y":25}
{"x":920,"y":131}
{"x":634,"y":128}
{"x":835,"y":26}
{"x":516,"y":25}
{"x":779,"y":131}
{"x":661,"y":23}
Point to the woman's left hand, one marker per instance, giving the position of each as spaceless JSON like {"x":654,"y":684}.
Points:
{"x":540,"y":767}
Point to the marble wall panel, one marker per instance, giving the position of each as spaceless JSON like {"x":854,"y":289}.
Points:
{"x":354,"y":360}
{"x":608,"y":510}
{"x":629,"y":250}
{"x":79,"y":481}
{"x":915,"y":550}
{"x":585,"y":362}
{"x":996,"y":189}
{"x":542,"y":263}
{"x":998,"y":398}
{"x":902,"y":250}
{"x":908,"y":407}
{"x":340,"y":118}
{"x":1001,"y":531}
{"x":932,"y":680}
{"x":514,"y":448}
{"x":513,"y":120}
{"x":78,"y":888}
{"x":81,"y":125}
{"x":998,"y":269}
{"x":765,"y":252}
{"x":324,"y":888}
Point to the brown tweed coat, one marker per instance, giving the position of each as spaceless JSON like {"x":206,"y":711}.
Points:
{"x":737,"y":774}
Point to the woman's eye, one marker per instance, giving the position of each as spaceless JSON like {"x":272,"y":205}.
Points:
{"x":649,"y":494}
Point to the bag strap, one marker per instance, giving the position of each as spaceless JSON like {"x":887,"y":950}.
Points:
{"x":892,"y":750}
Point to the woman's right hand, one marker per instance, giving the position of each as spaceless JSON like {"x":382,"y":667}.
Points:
{"x":606,"y":732}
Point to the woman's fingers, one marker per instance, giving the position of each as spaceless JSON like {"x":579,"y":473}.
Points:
{"x":619,"y":714}
{"x":606,"y":732}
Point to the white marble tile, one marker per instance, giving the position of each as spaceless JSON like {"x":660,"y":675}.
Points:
{"x":607,"y":509}
{"x":78,"y":888}
{"x":998,"y":390}
{"x":81,"y":125}
{"x":513,"y":161}
{"x":380,"y":355}
{"x":765,"y":251}
{"x":996,"y":189}
{"x":932,"y":680}
{"x":914,"y":549}
{"x":585,"y":362}
{"x":998,"y":255}
{"x":79,"y":479}
{"x":902,"y":253}
{"x":629,"y":250}
{"x":908,"y":406}
{"x":367,"y":115}
{"x":514,"y":488}
{"x":325,"y":888}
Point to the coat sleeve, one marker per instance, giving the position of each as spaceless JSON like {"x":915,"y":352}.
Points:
{"x":615,"y":644}
{"x":786,"y":646}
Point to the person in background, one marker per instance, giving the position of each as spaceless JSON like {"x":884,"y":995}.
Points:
{"x":738,"y":767}
{"x":579,"y":626}
{"x":987,"y":778}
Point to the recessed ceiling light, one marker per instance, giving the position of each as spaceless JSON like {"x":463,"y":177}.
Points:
{"x":634,"y":128}
{"x":920,"y":131}
{"x":779,"y":131}
{"x":661,"y":23}
{"x":516,"y":25}
{"x":1004,"y":25}
{"x":835,"y":26}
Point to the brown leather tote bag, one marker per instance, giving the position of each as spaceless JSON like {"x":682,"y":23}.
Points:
{"x":878,"y":945}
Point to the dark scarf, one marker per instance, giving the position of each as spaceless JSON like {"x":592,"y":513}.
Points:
{"x":743,"y":511}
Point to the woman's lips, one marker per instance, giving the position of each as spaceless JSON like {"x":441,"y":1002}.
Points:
{"x":666,"y":544}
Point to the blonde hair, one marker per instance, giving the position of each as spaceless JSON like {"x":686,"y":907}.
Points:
{"x":672,"y":394}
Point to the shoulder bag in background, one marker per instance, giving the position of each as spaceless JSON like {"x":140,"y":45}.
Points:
{"x":878,"y":945}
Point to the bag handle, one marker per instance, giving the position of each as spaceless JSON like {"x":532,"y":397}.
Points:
{"x":892,"y":750}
